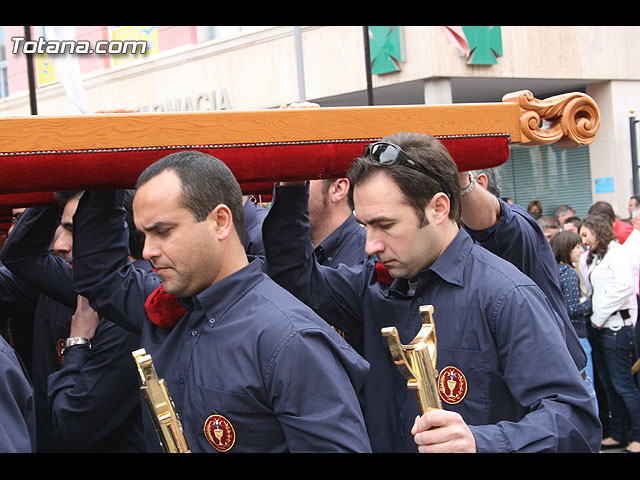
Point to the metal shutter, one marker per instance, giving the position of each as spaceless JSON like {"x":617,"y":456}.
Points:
{"x":552,"y":175}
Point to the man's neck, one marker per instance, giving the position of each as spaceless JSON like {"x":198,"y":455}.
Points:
{"x":449,"y":232}
{"x":324,"y":227}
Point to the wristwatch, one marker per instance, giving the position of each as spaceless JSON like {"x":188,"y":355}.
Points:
{"x":72,"y":341}
{"x":472,"y":183}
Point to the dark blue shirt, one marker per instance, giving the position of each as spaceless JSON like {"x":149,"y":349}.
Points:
{"x":91,"y":402}
{"x":17,"y":410}
{"x":493,"y":324}
{"x":254,"y":215}
{"x":344,"y":245}
{"x":17,"y":307}
{"x":245,"y":350}
{"x":51,"y":322}
{"x":519,"y":239}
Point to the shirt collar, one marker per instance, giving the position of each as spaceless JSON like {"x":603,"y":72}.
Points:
{"x":336,"y":238}
{"x":219,"y":297}
{"x":449,"y":266}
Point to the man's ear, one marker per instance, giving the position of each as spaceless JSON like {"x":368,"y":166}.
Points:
{"x":482,"y":180}
{"x":222,"y":221}
{"x":438,"y":208}
{"x":339,"y":189}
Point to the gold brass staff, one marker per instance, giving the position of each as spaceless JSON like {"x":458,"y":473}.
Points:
{"x":156,"y":395}
{"x":417,"y":360}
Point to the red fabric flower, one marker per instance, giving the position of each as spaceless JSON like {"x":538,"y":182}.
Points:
{"x":163,"y":308}
{"x":383,"y":274}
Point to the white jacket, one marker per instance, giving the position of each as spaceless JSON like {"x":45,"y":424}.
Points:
{"x":632,"y":245}
{"x":613,"y":288}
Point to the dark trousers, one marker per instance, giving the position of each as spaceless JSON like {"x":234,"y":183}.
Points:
{"x":613,"y":356}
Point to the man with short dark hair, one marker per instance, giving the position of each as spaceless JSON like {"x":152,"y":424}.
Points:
{"x":238,"y":354}
{"x":496,"y":331}
{"x":571,"y":224}
{"x":563,"y":212}
{"x":334,"y":231}
{"x":85,"y":390}
{"x":549,"y":225}
{"x":634,"y":202}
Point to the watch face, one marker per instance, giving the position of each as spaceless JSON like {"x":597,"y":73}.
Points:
{"x":64,"y":344}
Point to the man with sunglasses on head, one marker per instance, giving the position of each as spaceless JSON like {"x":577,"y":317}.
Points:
{"x":85,"y":391}
{"x":498,"y":338}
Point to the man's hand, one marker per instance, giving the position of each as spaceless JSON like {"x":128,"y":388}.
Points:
{"x":300,"y":105}
{"x":480,"y":208}
{"x":442,"y":431}
{"x":463,"y":178}
{"x":84,"y":321}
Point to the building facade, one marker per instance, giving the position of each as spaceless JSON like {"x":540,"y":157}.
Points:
{"x":215,"y":68}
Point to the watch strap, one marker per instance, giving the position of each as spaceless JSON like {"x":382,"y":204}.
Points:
{"x":472,"y":183}
{"x":73,"y":341}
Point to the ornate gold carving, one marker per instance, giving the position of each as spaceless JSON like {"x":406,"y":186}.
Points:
{"x":417,"y":360}
{"x":567,"y":120}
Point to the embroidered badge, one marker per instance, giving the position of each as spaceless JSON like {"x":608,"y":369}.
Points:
{"x":59,"y":346}
{"x":452,"y":385}
{"x":219,"y":433}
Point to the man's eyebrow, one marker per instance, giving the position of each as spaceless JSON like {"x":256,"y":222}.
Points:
{"x":374,"y":220}
{"x":156,"y":226}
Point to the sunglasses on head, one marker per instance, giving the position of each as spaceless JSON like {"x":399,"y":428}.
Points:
{"x":389,"y":154}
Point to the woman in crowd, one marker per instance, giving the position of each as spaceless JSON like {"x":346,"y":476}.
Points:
{"x":613,"y":308}
{"x":534,"y":208}
{"x":567,"y":249}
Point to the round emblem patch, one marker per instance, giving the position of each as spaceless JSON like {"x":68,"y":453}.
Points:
{"x":219,"y":433}
{"x":452,"y":385}
{"x":59,"y":346}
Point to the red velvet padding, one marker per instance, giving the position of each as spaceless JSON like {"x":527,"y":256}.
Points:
{"x":95,"y":170}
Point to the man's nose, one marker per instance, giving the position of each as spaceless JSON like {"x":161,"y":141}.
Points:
{"x":373,"y":246}
{"x":63,"y":242}
{"x":149,"y":250}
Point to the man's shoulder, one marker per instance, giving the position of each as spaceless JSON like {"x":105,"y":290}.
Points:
{"x":280,"y":304}
{"x":514,"y":222}
{"x":285,"y":319}
{"x":494,"y":271}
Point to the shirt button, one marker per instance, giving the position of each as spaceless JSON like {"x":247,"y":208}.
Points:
{"x":212,"y":320}
{"x":194,"y":333}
